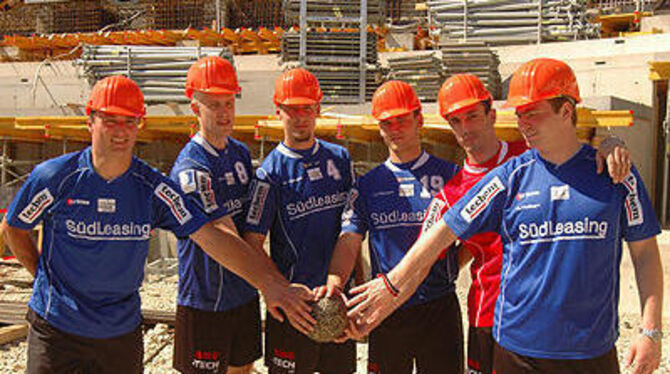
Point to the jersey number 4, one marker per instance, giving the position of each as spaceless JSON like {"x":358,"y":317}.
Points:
{"x":332,"y":170}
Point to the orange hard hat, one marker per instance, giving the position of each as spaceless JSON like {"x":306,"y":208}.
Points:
{"x":297,"y":87}
{"x":394,"y":99}
{"x":541,"y":79}
{"x":116,"y":95}
{"x":212,"y":75}
{"x":461,"y":91}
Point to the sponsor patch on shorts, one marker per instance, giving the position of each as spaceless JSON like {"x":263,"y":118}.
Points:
{"x":206,"y":360}
{"x":173,"y":200}
{"x":284,"y":360}
{"x":482,"y":199}
{"x":36,"y":207}
{"x":260,"y":195}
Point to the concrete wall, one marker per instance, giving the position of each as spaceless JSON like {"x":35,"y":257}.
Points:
{"x":21,"y":93}
{"x":637,"y":137}
{"x":651,"y":24}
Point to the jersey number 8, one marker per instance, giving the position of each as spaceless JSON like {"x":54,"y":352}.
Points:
{"x":241,"y":172}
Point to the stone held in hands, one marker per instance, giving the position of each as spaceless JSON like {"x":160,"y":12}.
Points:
{"x":330,"y":314}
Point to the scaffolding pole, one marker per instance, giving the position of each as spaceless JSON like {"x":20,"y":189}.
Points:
{"x":302,"y":54}
{"x":5,"y":156}
{"x":666,"y":162}
{"x":363,"y":52}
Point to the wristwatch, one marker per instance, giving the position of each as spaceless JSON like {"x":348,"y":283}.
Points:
{"x":654,"y":334}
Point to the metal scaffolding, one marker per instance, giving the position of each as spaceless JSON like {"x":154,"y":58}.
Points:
{"x":339,"y":50}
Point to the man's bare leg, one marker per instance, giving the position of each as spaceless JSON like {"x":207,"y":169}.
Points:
{"x":246,"y":369}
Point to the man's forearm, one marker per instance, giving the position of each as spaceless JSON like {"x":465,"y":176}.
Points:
{"x":416,"y":264}
{"x":649,"y":277}
{"x":231,"y":251}
{"x":19,"y":242}
{"x":344,"y":258}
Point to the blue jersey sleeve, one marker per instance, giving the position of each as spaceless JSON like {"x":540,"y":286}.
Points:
{"x":201,"y":189}
{"x":351,"y":172}
{"x":639,"y":219}
{"x":245,"y":207}
{"x":263,"y":203}
{"x":34,"y":198}
{"x":481,"y":209}
{"x":173,"y":211}
{"x":354,"y":217}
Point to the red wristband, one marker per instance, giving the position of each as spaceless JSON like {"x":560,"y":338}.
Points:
{"x":389,"y":287}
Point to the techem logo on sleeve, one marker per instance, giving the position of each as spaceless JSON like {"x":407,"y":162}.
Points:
{"x":36,"y":206}
{"x":482,"y":199}
{"x":174,"y":201}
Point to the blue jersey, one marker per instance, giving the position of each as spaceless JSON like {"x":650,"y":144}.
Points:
{"x":299,"y":195}
{"x":561,"y":228}
{"x":217,"y":182}
{"x":390,"y":202}
{"x":96,"y":239}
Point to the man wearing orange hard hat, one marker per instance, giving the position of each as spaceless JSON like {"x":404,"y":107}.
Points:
{"x":388,"y":204}
{"x":466,"y":105}
{"x":561,"y":224}
{"x":298,"y":195}
{"x":98,"y":207}
{"x":218,"y":326}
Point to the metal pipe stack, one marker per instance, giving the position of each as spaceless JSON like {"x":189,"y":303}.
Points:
{"x":423,"y":72}
{"x":500,"y":22}
{"x":474,"y":58}
{"x":334,"y":11}
{"x":339,"y":84}
{"x":159,"y":71}
{"x":333,"y":57}
{"x":341,"y":48}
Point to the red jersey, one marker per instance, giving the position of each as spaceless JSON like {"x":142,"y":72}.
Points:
{"x":486,"y":248}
